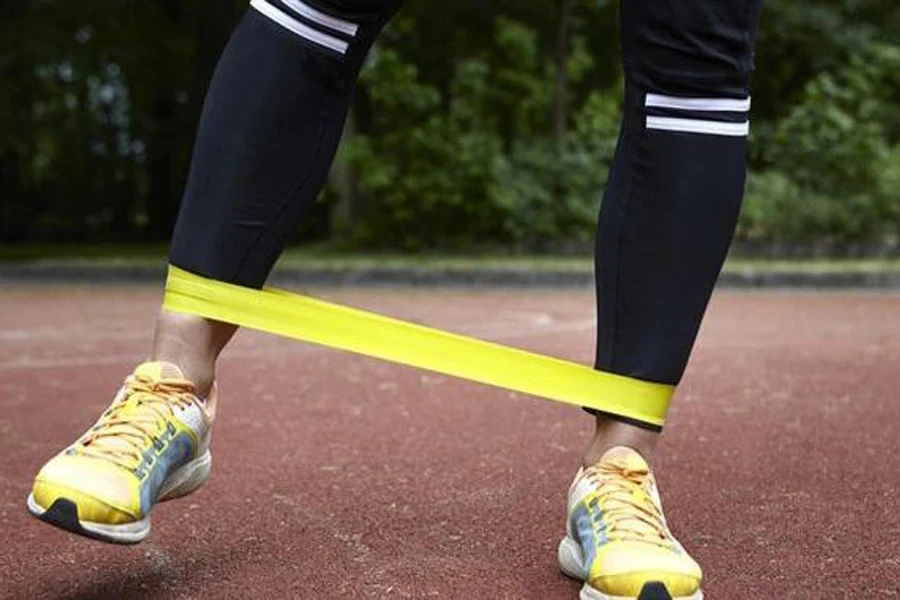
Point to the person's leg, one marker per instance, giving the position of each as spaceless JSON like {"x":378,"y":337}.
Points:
{"x":270,"y":127}
{"x":668,"y":217}
{"x":193,"y":344}
{"x":675,"y":190}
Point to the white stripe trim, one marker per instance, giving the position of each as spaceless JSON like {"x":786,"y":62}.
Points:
{"x":321,"y":18}
{"x":711,"y":104}
{"x":292,"y":24}
{"x":699,"y":126}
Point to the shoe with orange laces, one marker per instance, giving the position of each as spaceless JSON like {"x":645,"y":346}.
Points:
{"x":617,"y":540}
{"x":151,"y":444}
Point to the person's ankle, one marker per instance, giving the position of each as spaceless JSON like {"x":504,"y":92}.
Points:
{"x":202,"y":378}
{"x":192,"y":344}
{"x":611,"y":432}
{"x":201,"y":375}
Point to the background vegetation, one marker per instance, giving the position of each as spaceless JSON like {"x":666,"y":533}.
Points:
{"x":478,"y":125}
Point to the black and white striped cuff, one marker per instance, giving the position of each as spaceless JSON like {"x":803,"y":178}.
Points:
{"x":712,"y":116}
{"x":309,"y":23}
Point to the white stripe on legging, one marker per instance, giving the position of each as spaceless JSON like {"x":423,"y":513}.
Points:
{"x":699,"y":126}
{"x":321,"y":18}
{"x":711,"y":104}
{"x":304,"y":31}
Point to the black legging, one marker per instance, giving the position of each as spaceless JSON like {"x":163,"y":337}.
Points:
{"x":274,"y":113}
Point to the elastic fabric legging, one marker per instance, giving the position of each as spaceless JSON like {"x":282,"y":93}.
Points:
{"x":677,"y":182}
{"x":278,"y":100}
{"x":269,"y":130}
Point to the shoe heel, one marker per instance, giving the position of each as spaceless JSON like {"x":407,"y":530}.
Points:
{"x":571,"y":559}
{"x":188,"y":478}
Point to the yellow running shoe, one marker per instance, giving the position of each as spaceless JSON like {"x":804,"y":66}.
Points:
{"x":151,"y":444}
{"x":617,"y":541}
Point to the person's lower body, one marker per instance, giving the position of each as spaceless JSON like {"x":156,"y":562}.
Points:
{"x":270,"y":126}
{"x":269,"y":130}
{"x":667,"y":220}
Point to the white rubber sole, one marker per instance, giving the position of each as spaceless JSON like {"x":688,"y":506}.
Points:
{"x":180,"y":483}
{"x":188,"y":478}
{"x":571,"y":563}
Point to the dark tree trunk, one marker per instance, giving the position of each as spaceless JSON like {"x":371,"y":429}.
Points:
{"x":564,"y":23}
{"x":342,"y":180}
{"x":10,"y":197}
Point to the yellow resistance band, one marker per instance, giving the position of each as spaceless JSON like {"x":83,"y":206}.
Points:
{"x":291,"y":315}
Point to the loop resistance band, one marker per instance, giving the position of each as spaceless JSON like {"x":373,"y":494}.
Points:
{"x":302,"y":318}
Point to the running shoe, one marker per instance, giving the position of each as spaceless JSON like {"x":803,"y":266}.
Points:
{"x":617,"y":540}
{"x":151,"y":444}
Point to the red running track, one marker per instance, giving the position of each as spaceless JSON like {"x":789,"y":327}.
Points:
{"x":342,"y":476}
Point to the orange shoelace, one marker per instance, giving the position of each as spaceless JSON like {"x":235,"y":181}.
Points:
{"x":123,"y":438}
{"x":628,"y":510}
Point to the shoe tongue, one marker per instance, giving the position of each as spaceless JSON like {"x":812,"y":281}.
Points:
{"x":627,"y":462}
{"x":159,"y":370}
{"x":626,"y":458}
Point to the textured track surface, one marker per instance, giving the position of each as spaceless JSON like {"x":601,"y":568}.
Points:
{"x":341,"y":476}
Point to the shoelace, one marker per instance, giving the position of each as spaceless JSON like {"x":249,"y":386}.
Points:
{"x":628,"y":509}
{"x":122,"y":439}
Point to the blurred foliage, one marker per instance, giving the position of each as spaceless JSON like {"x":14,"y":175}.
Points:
{"x":464,"y":134}
{"x":831,"y":165}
